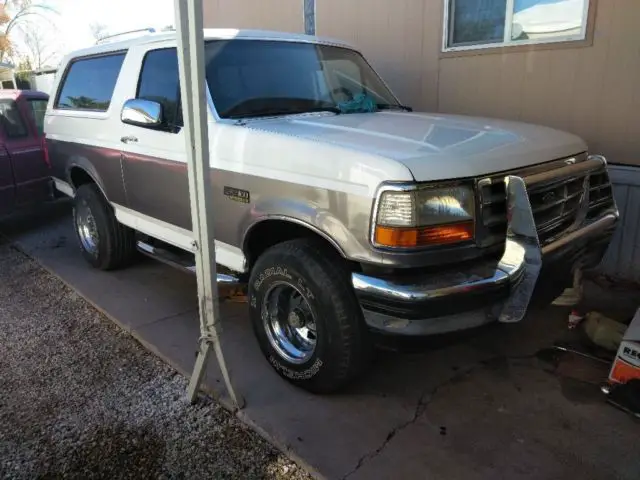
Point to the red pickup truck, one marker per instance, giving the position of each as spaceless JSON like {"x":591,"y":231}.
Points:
{"x":25,"y":176}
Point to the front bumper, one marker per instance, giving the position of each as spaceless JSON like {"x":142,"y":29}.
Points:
{"x":480,"y":293}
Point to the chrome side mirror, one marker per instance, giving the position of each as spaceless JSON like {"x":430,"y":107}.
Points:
{"x":142,"y":113}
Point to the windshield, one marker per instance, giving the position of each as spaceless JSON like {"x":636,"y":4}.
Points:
{"x":255,"y":77}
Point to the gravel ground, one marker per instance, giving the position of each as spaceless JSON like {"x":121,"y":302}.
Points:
{"x":79,"y":398}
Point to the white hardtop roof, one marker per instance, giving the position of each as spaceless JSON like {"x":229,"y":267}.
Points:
{"x":209,"y":34}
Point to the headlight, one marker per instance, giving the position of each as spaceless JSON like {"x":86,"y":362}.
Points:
{"x":423,"y":217}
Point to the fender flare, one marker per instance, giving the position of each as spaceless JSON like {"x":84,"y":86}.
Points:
{"x":87,"y":168}
{"x":293,"y":220}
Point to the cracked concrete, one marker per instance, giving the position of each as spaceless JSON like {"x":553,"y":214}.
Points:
{"x":479,"y":405}
{"x":481,"y":421}
{"x":421,"y":406}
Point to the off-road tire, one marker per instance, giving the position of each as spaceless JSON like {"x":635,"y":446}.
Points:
{"x":343,"y":347}
{"x":116,"y":246}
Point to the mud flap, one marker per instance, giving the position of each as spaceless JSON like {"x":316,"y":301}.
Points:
{"x":522,"y":245}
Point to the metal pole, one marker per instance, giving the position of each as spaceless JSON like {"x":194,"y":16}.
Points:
{"x":309,"y":8}
{"x":194,"y":106}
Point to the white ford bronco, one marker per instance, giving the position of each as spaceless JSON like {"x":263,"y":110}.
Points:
{"x":343,"y":211}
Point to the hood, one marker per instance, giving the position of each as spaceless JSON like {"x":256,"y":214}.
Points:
{"x":434,"y":147}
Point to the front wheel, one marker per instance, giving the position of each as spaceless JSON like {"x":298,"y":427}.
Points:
{"x":104,"y":243}
{"x":306,"y":317}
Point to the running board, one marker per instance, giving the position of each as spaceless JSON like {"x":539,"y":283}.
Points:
{"x":185,"y":263}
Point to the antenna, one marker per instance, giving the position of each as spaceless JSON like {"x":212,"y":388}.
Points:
{"x":109,"y":37}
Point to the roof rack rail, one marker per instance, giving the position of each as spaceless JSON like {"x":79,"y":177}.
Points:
{"x":109,"y":37}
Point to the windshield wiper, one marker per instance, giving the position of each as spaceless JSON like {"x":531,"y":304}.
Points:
{"x":389,"y":106}
{"x":272,"y":112}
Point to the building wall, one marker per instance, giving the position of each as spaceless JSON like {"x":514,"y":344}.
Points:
{"x":589,"y":90}
{"x":282,"y":15}
{"x":623,"y":256}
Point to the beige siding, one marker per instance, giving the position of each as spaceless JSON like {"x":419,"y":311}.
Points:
{"x":591,"y":91}
{"x":282,"y":15}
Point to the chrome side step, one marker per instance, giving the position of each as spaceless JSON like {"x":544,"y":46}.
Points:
{"x":166,"y":256}
{"x":185,"y":263}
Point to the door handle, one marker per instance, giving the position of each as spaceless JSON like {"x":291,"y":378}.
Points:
{"x":129,"y":139}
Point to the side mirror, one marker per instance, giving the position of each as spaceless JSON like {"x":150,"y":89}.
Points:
{"x":142,"y":113}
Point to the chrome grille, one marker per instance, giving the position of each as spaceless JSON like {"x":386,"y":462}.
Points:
{"x":554,"y":203}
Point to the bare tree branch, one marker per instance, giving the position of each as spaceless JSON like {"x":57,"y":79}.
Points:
{"x":16,"y":12}
{"x":41,"y":47}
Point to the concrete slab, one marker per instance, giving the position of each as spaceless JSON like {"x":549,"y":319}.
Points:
{"x":157,"y":290}
{"x":481,"y":405}
{"x":509,"y":418}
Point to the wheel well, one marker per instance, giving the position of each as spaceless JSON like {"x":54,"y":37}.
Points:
{"x":268,"y":233}
{"x":80,"y":177}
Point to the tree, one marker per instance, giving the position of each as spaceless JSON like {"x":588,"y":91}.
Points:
{"x":83,"y":102}
{"x":99,"y":31}
{"x":40,"y":47}
{"x":14,"y":13}
{"x":23,"y":69}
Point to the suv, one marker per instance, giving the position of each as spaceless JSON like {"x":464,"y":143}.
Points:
{"x":343,"y":210}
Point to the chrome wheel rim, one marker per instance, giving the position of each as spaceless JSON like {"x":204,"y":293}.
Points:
{"x":86,"y":228}
{"x":289,"y":322}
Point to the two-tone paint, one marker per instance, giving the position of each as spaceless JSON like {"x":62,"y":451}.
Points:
{"x":319,"y":170}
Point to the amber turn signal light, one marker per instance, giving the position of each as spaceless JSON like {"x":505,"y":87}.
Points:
{"x":423,"y":236}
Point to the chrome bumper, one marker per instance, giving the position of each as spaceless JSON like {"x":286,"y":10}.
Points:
{"x":515,"y":273}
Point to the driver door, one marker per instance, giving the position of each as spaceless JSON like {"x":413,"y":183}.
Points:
{"x":154,"y":159}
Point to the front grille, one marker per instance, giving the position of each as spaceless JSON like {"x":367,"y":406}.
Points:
{"x":554,"y":204}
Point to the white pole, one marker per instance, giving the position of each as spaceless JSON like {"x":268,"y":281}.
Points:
{"x":194,"y":107}
{"x":508,"y":25}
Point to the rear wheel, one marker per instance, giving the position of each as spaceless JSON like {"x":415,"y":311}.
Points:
{"x":104,"y":243}
{"x":306,"y":317}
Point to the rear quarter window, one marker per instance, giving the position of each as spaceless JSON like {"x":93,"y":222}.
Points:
{"x":11,"y":119}
{"x":38,"y":108}
{"x":89,"y":83}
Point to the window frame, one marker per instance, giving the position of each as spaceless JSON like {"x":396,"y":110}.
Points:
{"x":67,"y":70}
{"x":27,"y":130}
{"x":175,"y":128}
{"x":582,"y":39}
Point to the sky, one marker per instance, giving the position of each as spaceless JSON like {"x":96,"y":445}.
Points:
{"x":69,"y":28}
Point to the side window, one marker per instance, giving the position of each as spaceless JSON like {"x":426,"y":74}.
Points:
{"x":11,"y":119}
{"x":38,"y":109}
{"x":159,"y":81}
{"x":473,"y":24}
{"x":89,"y":83}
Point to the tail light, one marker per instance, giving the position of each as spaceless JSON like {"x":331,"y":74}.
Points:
{"x":45,"y":151}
